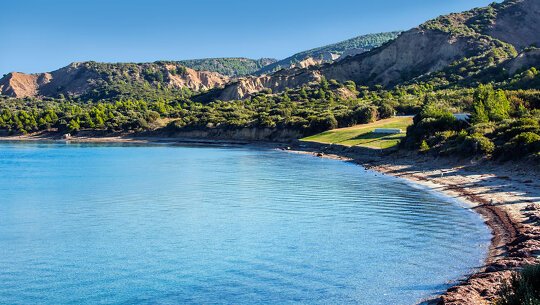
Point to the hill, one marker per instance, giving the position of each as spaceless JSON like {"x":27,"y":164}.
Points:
{"x":456,"y":49}
{"x":228,"y":66}
{"x":331,"y":52}
{"x":92,"y":80}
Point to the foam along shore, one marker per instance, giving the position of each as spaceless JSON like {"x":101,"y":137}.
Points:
{"x":506,"y":195}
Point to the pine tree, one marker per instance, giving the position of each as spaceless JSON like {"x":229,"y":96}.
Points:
{"x":480,"y":114}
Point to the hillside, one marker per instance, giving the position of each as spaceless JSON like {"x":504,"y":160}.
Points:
{"x":91,"y":80}
{"x":228,"y":66}
{"x":464,"y":48}
{"x":331,"y":52}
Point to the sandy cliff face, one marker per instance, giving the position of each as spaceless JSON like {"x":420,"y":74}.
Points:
{"x":277,"y":82}
{"x":196,"y":80}
{"x":21,"y":85}
{"x":414,"y":53}
{"x":72,"y":80}
{"x":245,"y":134}
{"x":524,"y":60}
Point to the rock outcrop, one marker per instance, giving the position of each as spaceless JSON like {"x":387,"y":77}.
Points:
{"x":242,"y":134}
{"x":277,"y":82}
{"x":414,"y":53}
{"x":524,"y":60}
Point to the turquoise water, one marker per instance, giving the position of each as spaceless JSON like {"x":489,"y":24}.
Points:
{"x":112,"y":224}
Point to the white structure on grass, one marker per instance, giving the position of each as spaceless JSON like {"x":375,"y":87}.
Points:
{"x":388,"y":130}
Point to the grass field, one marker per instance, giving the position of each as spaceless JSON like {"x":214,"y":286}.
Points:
{"x":362,"y":135}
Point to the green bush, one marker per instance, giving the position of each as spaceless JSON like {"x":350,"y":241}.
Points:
{"x":320,"y":124}
{"x":364,"y":115}
{"x":521,"y":145}
{"x":424,"y":147}
{"x":484,"y":128}
{"x":523,"y":288}
{"x":386,"y":111}
{"x":477,"y":144}
{"x":509,"y":129}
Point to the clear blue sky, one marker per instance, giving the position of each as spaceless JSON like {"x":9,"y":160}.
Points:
{"x":43,"y":35}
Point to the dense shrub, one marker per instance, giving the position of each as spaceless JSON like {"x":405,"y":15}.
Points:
{"x":364,"y":115}
{"x":509,"y":129}
{"x":520,"y":146}
{"x":386,"y":111}
{"x":320,"y":124}
{"x":477,"y":144}
{"x":430,"y":121}
{"x":523,"y":288}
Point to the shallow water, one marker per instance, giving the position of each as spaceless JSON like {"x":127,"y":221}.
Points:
{"x":113,"y":224}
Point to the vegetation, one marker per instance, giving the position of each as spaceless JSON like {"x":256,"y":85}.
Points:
{"x":93,"y":81}
{"x":364,"y":42}
{"x":500,"y":126}
{"x":487,"y":59}
{"x":310,"y":110}
{"x":121,"y":81}
{"x":228,"y":66}
{"x":474,"y":22}
{"x":523,"y":288}
{"x":503,"y":124}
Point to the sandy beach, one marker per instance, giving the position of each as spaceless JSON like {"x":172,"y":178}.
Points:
{"x":506,"y":195}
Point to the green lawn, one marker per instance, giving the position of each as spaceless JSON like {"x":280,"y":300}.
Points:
{"x":362,"y":135}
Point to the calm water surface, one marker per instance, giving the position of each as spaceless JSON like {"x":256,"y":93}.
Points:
{"x":106,"y":224}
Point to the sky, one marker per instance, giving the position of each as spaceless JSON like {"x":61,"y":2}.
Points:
{"x":44,"y":35}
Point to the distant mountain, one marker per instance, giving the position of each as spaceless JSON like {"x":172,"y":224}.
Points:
{"x":331,"y":52}
{"x":228,"y":66}
{"x":455,"y":49}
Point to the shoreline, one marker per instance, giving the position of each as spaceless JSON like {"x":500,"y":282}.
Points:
{"x":510,"y":207}
{"x":507,"y":196}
